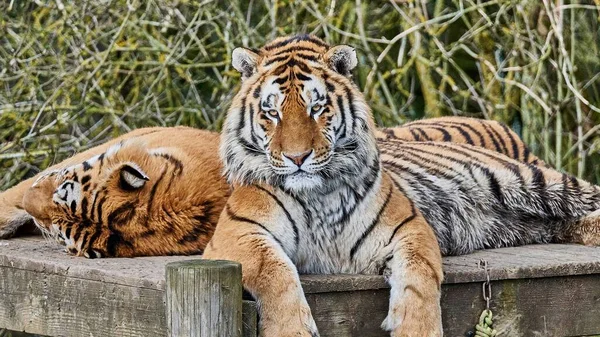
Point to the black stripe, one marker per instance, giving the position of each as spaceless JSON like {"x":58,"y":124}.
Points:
{"x":352,"y":111}
{"x":526,"y":154}
{"x":84,"y":205}
{"x":445,"y":133}
{"x":99,"y":209}
{"x":496,"y":144}
{"x":342,"y":108}
{"x":305,"y":211}
{"x":101,"y":160}
{"x":122,"y":214}
{"x":306,"y":57}
{"x":491,"y":177}
{"x":464,"y":133}
{"x":86,"y":166}
{"x":234,"y":217}
{"x":277,"y":59}
{"x":68,"y":232}
{"x":463,"y":150}
{"x":304,"y":37}
{"x":414,"y":134}
{"x":253,"y":135}
{"x":153,"y":193}
{"x":500,"y":140}
{"x":374,"y":223}
{"x":174,"y":161}
{"x":79,"y":229}
{"x":95,"y":236}
{"x":302,"y":77}
{"x":287,"y":214}
{"x":438,"y":168}
{"x":539,"y":186}
{"x":452,"y":124}
{"x":513,"y":142}
{"x":280,"y":81}
{"x":423,"y":134}
{"x":408,"y":219}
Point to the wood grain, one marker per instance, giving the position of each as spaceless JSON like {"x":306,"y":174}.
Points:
{"x":542,"y":290}
{"x":204,"y":298}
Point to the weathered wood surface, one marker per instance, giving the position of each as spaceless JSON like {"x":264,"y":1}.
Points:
{"x":192,"y":310}
{"x":546,"y":290}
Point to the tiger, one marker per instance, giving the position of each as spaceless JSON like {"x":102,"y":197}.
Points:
{"x":489,"y":134}
{"x":14,"y":217}
{"x":132,"y":196}
{"x":315,"y":192}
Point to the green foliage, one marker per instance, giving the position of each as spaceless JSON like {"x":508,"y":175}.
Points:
{"x":74,"y":74}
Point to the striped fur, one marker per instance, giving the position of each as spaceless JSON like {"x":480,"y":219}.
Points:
{"x":315,"y":194}
{"x":491,"y":135}
{"x":132,"y":196}
{"x":453,"y":129}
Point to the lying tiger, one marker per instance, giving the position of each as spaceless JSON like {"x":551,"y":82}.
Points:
{"x":316,"y":193}
{"x":131,"y":196}
{"x":114,"y":200}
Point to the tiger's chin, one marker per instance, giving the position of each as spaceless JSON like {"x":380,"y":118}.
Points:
{"x":303,"y":181}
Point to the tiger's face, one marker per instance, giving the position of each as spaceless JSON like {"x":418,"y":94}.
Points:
{"x":298,"y":120}
{"x":128,"y":201}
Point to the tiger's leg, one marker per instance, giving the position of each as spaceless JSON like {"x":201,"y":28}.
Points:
{"x":267,"y":272}
{"x":13,"y":218}
{"x":415,"y":280}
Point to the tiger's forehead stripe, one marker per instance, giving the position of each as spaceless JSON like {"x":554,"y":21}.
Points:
{"x":288,"y":50}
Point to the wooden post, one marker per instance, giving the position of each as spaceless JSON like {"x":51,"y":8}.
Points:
{"x":204,"y":298}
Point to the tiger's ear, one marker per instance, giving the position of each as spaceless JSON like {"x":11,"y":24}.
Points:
{"x":245,"y":61}
{"x":131,"y":177}
{"x":342,"y":59}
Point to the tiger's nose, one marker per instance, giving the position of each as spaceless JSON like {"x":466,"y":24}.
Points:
{"x":298,"y":159}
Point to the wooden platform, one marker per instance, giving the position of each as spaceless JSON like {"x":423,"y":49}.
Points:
{"x":545,"y":290}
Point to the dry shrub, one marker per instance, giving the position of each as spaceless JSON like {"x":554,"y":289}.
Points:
{"x":75,"y":75}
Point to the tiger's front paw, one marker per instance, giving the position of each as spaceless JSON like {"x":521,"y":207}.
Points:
{"x":13,"y":221}
{"x":414,"y":315}
{"x":291,"y":323}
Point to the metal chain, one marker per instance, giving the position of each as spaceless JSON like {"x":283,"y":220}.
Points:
{"x":484,"y":328}
{"x":486,"y":286}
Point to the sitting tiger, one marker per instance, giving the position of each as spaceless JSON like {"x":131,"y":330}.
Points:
{"x":316,"y":193}
{"x":77,"y":203}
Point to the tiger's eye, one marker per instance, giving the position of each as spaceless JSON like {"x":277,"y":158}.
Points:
{"x":316,"y":108}
{"x":272,"y":113}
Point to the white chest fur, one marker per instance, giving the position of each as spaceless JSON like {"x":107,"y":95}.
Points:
{"x":329,"y":227}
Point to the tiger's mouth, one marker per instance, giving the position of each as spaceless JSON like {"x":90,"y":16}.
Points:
{"x":302,"y":181}
{"x":49,"y":230}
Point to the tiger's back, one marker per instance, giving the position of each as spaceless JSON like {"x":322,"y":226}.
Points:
{"x":475,"y":198}
{"x":488,"y":134}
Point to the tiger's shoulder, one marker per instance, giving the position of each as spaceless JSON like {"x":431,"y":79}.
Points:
{"x":488,"y":134}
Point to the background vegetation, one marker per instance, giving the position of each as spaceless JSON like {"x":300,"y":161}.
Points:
{"x":74,"y":74}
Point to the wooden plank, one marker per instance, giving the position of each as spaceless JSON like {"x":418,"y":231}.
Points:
{"x":556,"y":306}
{"x":204,"y":298}
{"x":42,"y":290}
{"x":58,"y":305}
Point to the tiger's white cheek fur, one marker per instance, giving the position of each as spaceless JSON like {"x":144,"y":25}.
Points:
{"x":67,"y":193}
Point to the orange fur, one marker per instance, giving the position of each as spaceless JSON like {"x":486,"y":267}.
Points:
{"x":14,"y":219}
{"x":174,"y":212}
